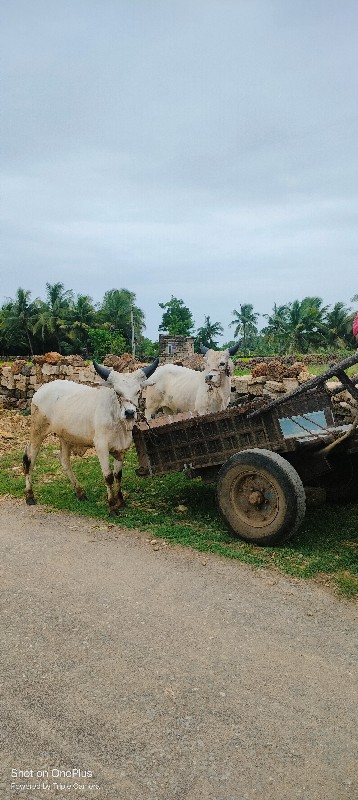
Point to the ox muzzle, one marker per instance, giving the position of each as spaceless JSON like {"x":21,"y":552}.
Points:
{"x":213,"y":379}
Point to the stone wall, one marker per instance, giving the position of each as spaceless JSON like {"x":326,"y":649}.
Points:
{"x":20,"y":379}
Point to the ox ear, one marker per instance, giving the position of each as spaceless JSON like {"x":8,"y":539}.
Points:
{"x":148,"y":371}
{"x":232,"y":350}
{"x":203,"y":349}
{"x":103,"y":372}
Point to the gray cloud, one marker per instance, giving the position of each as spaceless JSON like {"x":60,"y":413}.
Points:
{"x":204,"y":149}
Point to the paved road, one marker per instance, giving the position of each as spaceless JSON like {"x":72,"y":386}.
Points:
{"x":164,"y":674}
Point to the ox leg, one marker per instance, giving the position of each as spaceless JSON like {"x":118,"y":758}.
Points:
{"x":28,"y":462}
{"x":103,"y":458}
{"x":38,"y":431}
{"x":117,"y":475}
{"x":65,"y":458}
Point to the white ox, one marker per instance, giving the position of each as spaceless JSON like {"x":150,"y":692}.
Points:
{"x":86,"y":416}
{"x":177,"y":389}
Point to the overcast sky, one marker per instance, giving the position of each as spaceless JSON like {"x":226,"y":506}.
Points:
{"x":203,"y":149}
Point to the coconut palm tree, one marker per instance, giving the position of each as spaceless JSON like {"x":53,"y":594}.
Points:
{"x":305,"y":325}
{"x":275,"y":333}
{"x":81,"y":319}
{"x":59,"y":302}
{"x":245,"y":321}
{"x":207,"y":332}
{"x":338,"y":323}
{"x":19,"y":317}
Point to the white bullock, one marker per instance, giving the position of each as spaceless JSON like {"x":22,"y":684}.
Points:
{"x":86,"y":416}
{"x":177,"y":389}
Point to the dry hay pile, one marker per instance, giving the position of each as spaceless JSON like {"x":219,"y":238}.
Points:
{"x":126,"y":363}
{"x":123,"y":363}
{"x":276,"y":370}
{"x":196,"y":361}
{"x":57,"y":358}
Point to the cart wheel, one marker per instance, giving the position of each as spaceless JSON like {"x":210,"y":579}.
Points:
{"x":341,"y":483}
{"x":260,"y":496}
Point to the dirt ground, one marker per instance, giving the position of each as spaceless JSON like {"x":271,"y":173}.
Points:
{"x":163,"y":675}
{"x":14,"y":430}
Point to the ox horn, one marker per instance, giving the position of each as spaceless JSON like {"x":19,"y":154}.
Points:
{"x":232,"y":350}
{"x":148,"y":371}
{"x":203,"y":349}
{"x":102,"y":371}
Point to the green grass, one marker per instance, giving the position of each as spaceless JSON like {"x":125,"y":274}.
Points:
{"x":184,"y":512}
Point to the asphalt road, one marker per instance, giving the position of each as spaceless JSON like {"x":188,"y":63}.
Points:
{"x":166,"y":675}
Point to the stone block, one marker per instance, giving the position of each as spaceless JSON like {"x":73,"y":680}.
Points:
{"x":275,"y":386}
{"x":50,"y":369}
{"x":290,"y":384}
{"x":239,"y":385}
{"x":7,"y":381}
{"x":260,"y":379}
{"x":255,"y":389}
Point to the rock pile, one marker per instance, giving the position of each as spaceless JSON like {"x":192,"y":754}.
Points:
{"x":195,"y":361}
{"x":268,"y":379}
{"x":345,"y":406}
{"x":123,"y":363}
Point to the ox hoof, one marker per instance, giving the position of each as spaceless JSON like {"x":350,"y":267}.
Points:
{"x":30,"y":501}
{"x":81,"y":496}
{"x":113,"y":512}
{"x":117,"y":510}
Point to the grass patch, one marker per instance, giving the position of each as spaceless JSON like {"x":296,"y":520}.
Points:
{"x":185,"y":512}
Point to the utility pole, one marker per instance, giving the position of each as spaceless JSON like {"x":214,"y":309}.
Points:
{"x":133,"y":339}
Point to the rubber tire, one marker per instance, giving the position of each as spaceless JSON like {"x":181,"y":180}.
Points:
{"x":269,"y":472}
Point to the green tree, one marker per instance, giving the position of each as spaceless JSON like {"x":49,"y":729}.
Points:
{"x":338,"y":324}
{"x":19,"y":316}
{"x":102,"y":342}
{"x":207,"y":332}
{"x":53,"y":321}
{"x":177,"y":319}
{"x":3,"y":348}
{"x":82,"y":317}
{"x":298,"y":327}
{"x":275,"y":333}
{"x":245,"y":321}
{"x":146,"y":349}
{"x":119,"y":313}
{"x":305,"y":328}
